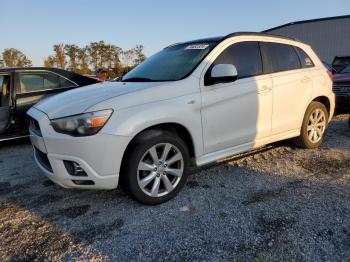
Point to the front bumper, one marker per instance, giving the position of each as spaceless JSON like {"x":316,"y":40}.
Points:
{"x":99,"y":156}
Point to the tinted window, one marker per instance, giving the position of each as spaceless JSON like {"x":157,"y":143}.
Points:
{"x":341,"y":61}
{"x":5,"y":82}
{"x":31,"y":82}
{"x":305,"y":60}
{"x":280,"y":57}
{"x":244,"y":56}
{"x":66,"y":83}
{"x":345,"y":70}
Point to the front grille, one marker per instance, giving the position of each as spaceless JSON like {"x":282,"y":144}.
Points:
{"x":34,"y":126}
{"x":43,"y":159}
{"x":341,"y":89}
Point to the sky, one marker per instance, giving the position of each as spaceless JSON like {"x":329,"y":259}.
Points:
{"x":34,"y":26}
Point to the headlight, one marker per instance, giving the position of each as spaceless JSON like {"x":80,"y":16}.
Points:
{"x":82,"y":125}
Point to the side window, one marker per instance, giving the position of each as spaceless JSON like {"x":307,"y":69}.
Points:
{"x":31,"y":82}
{"x":281,"y":57}
{"x":305,"y":60}
{"x":245,"y":56}
{"x":51,"y":81}
{"x":5,"y":85}
{"x":64,"y":83}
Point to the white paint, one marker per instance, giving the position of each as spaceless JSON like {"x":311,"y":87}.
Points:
{"x":223,"y":119}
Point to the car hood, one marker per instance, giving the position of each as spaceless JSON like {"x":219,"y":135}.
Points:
{"x":341,"y":77}
{"x":78,"y":100}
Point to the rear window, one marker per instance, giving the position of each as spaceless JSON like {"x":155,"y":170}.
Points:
{"x":341,"y":61}
{"x":281,"y":57}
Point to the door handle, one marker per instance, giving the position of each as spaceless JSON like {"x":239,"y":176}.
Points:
{"x":264,"y":89}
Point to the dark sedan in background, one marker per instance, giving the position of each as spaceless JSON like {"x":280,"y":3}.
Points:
{"x":21,"y":88}
{"x":341,"y":88}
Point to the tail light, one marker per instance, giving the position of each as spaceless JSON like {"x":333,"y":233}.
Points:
{"x":330,"y":74}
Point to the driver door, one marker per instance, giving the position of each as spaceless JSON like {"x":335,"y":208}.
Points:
{"x":237,"y":113}
{"x":5,"y":88}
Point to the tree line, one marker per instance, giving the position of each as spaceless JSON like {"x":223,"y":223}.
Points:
{"x":83,"y":60}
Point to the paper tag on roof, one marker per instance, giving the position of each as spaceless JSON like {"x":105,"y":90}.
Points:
{"x":196,"y":47}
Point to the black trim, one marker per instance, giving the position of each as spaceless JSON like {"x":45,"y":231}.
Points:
{"x":43,"y":159}
{"x":308,"y":21}
{"x":34,"y":126}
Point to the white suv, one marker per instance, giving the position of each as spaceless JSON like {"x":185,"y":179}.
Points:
{"x":190,"y":104}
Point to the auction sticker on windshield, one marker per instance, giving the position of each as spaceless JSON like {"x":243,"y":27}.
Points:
{"x":198,"y":47}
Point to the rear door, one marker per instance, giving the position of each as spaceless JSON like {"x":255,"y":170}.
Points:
{"x":5,"y":102}
{"x":33,"y":86}
{"x":292,"y":85}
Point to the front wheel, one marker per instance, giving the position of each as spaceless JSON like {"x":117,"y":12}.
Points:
{"x":156,"y":167}
{"x":313,"y":127}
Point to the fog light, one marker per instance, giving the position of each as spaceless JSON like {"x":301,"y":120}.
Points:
{"x":74,"y":169}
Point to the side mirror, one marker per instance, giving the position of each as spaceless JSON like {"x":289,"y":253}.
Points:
{"x":223,"y":73}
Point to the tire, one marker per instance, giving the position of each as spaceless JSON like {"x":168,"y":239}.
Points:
{"x":307,"y":138}
{"x":145,"y":167}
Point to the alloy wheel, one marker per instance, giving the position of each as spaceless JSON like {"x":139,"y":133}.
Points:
{"x":160,"y":169}
{"x":316,"y":125}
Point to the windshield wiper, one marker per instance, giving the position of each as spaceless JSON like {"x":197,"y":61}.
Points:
{"x":138,"y":79}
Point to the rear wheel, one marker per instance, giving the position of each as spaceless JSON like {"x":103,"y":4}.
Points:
{"x":156,"y":167}
{"x":313,"y":127}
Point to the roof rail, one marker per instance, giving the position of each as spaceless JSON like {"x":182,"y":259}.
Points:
{"x":259,"y":34}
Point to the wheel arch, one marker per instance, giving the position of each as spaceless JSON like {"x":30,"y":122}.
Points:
{"x":325,"y":101}
{"x":172,"y":127}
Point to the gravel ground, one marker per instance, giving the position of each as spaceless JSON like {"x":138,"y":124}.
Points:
{"x":278,"y":203}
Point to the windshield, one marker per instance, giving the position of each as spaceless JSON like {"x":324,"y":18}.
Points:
{"x":345,"y":70}
{"x":172,"y":63}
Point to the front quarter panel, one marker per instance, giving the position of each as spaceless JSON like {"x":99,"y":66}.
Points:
{"x":183,"y":110}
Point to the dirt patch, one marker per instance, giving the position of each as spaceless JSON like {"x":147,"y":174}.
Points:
{"x":5,"y":188}
{"x":45,"y":199}
{"x":326,"y":163}
{"x":48,"y":183}
{"x":23,"y":237}
{"x":261,"y":196}
{"x":90,"y":234}
{"x":268,"y":225}
{"x":70,"y":212}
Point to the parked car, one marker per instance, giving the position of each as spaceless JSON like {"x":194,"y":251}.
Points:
{"x":21,"y":88}
{"x":341,"y":88}
{"x":190,"y":104}
{"x":340,"y":62}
